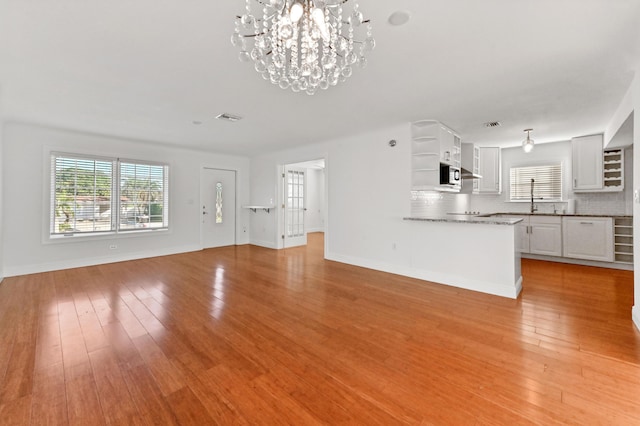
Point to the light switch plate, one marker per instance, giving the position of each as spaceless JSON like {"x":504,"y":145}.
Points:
{"x":636,"y":196}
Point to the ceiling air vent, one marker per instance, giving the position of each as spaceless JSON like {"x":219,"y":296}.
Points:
{"x":492,"y":124}
{"x":228,"y":117}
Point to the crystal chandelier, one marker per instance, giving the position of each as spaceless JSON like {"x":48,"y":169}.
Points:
{"x":304,"y":45}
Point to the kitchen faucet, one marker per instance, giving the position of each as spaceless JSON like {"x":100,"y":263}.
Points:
{"x":533,"y":208}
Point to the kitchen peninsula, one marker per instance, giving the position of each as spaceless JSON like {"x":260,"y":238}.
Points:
{"x":470,"y":252}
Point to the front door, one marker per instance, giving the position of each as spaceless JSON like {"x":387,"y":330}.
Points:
{"x":218,"y":212}
{"x":295,"y":233}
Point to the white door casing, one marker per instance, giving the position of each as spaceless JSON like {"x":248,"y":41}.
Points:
{"x":218,"y":207}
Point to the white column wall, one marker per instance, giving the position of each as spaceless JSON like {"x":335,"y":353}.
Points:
{"x":314,"y":200}
{"x":635,"y":89}
{"x":1,"y":200}
{"x":25,"y":165}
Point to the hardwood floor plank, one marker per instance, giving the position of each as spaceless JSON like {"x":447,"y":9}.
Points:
{"x":167,"y":377}
{"x":147,"y":397}
{"x":49,"y":403}
{"x":111,"y":387}
{"x":83,"y":405}
{"x":188,"y":409}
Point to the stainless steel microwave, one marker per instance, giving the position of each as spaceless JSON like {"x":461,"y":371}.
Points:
{"x":449,"y":175}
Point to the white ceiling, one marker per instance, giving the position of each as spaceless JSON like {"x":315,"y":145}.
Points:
{"x":147,"y":69}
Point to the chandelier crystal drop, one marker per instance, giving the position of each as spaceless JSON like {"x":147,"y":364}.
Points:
{"x":303,"y":45}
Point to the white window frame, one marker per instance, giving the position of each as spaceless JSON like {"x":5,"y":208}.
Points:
{"x":116,"y":202}
{"x":526,"y":175}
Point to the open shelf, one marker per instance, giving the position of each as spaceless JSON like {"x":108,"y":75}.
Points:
{"x":623,"y":239}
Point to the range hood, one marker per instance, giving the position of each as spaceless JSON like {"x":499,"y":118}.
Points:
{"x":466,"y":174}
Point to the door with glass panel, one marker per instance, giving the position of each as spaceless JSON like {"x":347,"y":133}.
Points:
{"x":295,"y":186}
{"x":218,"y":207}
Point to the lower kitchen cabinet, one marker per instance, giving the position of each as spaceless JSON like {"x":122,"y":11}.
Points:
{"x":539,"y":235}
{"x":545,"y":235}
{"x":589,"y":238}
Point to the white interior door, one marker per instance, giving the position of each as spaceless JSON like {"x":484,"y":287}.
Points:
{"x":218,"y":213}
{"x":295,"y":189}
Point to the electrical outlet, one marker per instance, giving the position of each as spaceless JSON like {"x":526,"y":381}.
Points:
{"x":113,"y":246}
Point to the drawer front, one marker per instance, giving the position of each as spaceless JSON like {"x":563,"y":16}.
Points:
{"x":589,"y":238}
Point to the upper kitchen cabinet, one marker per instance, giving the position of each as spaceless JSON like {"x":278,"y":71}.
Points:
{"x":489,"y":169}
{"x":595,"y":169}
{"x":450,"y":146}
{"x":432,"y":144}
{"x":586,"y":158}
{"x":470,"y":165}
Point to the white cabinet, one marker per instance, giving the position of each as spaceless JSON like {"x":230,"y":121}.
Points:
{"x":425,"y":155}
{"x":432,"y":143}
{"x":450,"y":146}
{"x":586,"y":160}
{"x":489,"y":169}
{"x":539,"y":235}
{"x":470,"y":162}
{"x":545,"y":235}
{"x":589,"y":238}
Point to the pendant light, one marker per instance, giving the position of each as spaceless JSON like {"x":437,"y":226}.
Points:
{"x":527,"y":144}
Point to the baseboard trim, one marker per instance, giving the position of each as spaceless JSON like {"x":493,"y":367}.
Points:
{"x":262,"y":243}
{"x":13,"y":271}
{"x":635,"y":315}
{"x":309,"y":230}
{"x":610,"y":265}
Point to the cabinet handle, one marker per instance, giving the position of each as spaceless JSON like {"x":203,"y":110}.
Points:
{"x":586,"y":223}
{"x":575,"y":183}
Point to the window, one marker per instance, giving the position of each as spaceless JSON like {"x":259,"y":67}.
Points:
{"x":547,"y":182}
{"x":219,"y":202}
{"x":85,"y":191}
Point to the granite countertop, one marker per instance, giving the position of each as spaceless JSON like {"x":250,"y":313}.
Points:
{"x":467,"y":219}
{"x":553,"y":214}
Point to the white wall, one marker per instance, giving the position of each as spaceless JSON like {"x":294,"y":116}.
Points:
{"x":614,"y":203}
{"x":26,"y":200}
{"x":1,"y":200}
{"x":367,"y":191}
{"x":314,"y":216}
{"x":635,"y":90}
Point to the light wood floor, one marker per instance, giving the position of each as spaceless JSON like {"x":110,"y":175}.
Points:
{"x":246,"y":335}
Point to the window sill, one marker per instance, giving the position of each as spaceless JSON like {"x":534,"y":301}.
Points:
{"x":97,"y":236}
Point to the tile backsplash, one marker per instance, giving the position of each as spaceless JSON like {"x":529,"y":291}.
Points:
{"x":432,"y":203}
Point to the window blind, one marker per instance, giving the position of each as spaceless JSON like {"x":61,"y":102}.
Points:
{"x":85,"y":191}
{"x":547,"y":182}
{"x":81,"y":194}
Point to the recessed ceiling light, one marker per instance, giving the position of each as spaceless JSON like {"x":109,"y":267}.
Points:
{"x":228,"y":117}
{"x":399,"y":17}
{"x":490,"y":124}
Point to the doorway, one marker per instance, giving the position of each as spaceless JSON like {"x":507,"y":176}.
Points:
{"x":304,"y":201}
{"x":218,"y":213}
